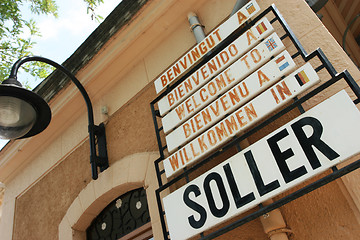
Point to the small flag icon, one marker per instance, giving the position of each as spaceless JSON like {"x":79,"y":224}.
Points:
{"x":250,"y":8}
{"x":302,"y":78}
{"x":282,"y":63}
{"x":271,"y":44}
{"x":261,"y":28}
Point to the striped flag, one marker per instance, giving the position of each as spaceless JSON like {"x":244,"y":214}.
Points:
{"x":250,"y":8}
{"x":302,"y":78}
{"x":282,"y":63}
{"x":261,"y":28}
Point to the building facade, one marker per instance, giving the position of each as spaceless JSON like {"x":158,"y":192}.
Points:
{"x":49,"y":191}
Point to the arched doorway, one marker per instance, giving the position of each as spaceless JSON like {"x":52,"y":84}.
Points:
{"x":137,"y":171}
{"x":127,"y":217}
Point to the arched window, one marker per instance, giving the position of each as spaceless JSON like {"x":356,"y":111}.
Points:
{"x":128,"y":215}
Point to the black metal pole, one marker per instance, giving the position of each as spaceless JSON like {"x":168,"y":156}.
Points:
{"x":92,"y":128}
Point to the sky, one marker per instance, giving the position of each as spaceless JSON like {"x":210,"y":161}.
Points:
{"x":63,"y":35}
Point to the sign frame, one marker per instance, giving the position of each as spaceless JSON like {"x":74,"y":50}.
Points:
{"x":323,"y":65}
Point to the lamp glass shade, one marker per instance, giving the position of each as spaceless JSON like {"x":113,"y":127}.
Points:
{"x":17,"y":117}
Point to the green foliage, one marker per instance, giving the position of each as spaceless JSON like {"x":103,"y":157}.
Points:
{"x":43,"y":7}
{"x":92,"y":4}
{"x":13,"y":28}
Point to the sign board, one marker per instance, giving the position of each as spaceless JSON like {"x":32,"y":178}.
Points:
{"x":233,"y":51}
{"x":257,"y":82}
{"x":205,"y":46}
{"x":243,"y":118}
{"x":251,"y":61}
{"x":308,"y":145}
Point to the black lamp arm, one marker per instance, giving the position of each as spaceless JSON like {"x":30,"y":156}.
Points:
{"x":98,"y":157}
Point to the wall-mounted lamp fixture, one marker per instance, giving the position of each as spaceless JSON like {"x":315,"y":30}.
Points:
{"x":23,"y":113}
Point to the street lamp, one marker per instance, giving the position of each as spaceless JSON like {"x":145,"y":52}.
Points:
{"x":23,"y":113}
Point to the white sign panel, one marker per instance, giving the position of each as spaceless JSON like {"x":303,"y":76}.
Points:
{"x":213,"y":39}
{"x":257,"y":82}
{"x":236,"y":49}
{"x":308,"y":145}
{"x":243,"y":118}
{"x":251,"y":61}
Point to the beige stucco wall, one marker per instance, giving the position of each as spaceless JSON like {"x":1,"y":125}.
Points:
{"x":55,"y":177}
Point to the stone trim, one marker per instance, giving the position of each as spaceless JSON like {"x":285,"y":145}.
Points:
{"x":124,"y":175}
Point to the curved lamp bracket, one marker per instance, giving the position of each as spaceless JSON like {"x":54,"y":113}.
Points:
{"x":97,"y":137}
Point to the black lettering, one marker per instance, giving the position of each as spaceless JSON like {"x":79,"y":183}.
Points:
{"x":194,"y":206}
{"x":281,"y":157}
{"x":262,"y":188}
{"x":239,"y":201}
{"x":314,"y":140}
{"x":209,"y":195}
